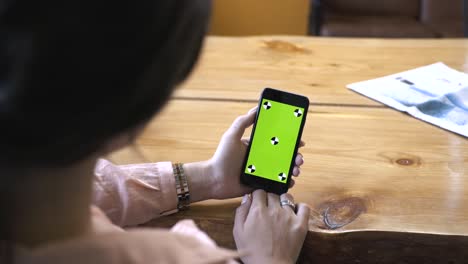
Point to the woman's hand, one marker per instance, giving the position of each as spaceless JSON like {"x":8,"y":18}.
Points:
{"x":225,"y":165}
{"x":268,"y":233}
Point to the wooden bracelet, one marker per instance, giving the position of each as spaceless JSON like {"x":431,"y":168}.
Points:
{"x":183,"y":194}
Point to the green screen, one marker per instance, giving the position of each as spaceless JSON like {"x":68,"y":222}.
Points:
{"x":274,"y":141}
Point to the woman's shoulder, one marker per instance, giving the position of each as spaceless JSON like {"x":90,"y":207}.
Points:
{"x":135,"y":246}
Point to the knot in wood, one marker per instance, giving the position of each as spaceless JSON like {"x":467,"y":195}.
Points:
{"x":284,"y":46}
{"x":339,"y":213}
{"x":405,"y":162}
{"x":401,"y":158}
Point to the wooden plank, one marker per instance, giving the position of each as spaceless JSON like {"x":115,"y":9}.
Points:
{"x":383,"y":186}
{"x":239,"y":68}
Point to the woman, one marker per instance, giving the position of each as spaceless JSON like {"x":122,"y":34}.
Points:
{"x":80,"y":79}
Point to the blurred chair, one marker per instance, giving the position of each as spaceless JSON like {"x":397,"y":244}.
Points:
{"x":389,"y":18}
{"x":444,"y":17}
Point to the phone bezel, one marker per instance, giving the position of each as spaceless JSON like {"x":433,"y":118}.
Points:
{"x":263,"y":183}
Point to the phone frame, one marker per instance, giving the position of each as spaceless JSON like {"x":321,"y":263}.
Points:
{"x":264,"y":183}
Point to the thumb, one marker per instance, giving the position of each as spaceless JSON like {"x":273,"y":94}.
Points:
{"x":239,"y":125}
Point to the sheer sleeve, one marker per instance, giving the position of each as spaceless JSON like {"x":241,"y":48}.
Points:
{"x":134,"y":194}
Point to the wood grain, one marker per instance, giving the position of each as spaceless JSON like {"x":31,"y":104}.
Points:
{"x":383,"y":186}
{"x":239,"y":68}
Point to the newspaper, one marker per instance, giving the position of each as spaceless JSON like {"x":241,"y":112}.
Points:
{"x":435,"y":93}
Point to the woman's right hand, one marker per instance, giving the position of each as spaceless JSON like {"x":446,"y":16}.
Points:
{"x":265,"y":232}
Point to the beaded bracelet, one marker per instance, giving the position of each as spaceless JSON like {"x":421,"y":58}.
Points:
{"x":183,"y":194}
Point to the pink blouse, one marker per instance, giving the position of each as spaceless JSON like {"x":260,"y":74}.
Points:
{"x":130,"y":195}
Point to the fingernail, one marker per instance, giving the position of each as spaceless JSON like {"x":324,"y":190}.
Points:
{"x":245,"y":198}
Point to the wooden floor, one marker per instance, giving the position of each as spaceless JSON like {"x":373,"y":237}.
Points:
{"x":384,"y":186}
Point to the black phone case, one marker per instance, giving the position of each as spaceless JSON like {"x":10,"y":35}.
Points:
{"x":263,"y":183}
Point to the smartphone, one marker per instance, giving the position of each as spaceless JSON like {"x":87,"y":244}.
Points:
{"x":274,"y":141}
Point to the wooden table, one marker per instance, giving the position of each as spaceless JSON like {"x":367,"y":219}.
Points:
{"x":384,"y":187}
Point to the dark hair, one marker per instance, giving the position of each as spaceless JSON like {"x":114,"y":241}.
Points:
{"x":73,"y":74}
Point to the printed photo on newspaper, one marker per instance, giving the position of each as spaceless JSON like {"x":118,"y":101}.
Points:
{"x":435,"y":93}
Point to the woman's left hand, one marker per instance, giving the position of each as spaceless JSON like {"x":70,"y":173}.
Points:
{"x":225,"y":165}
